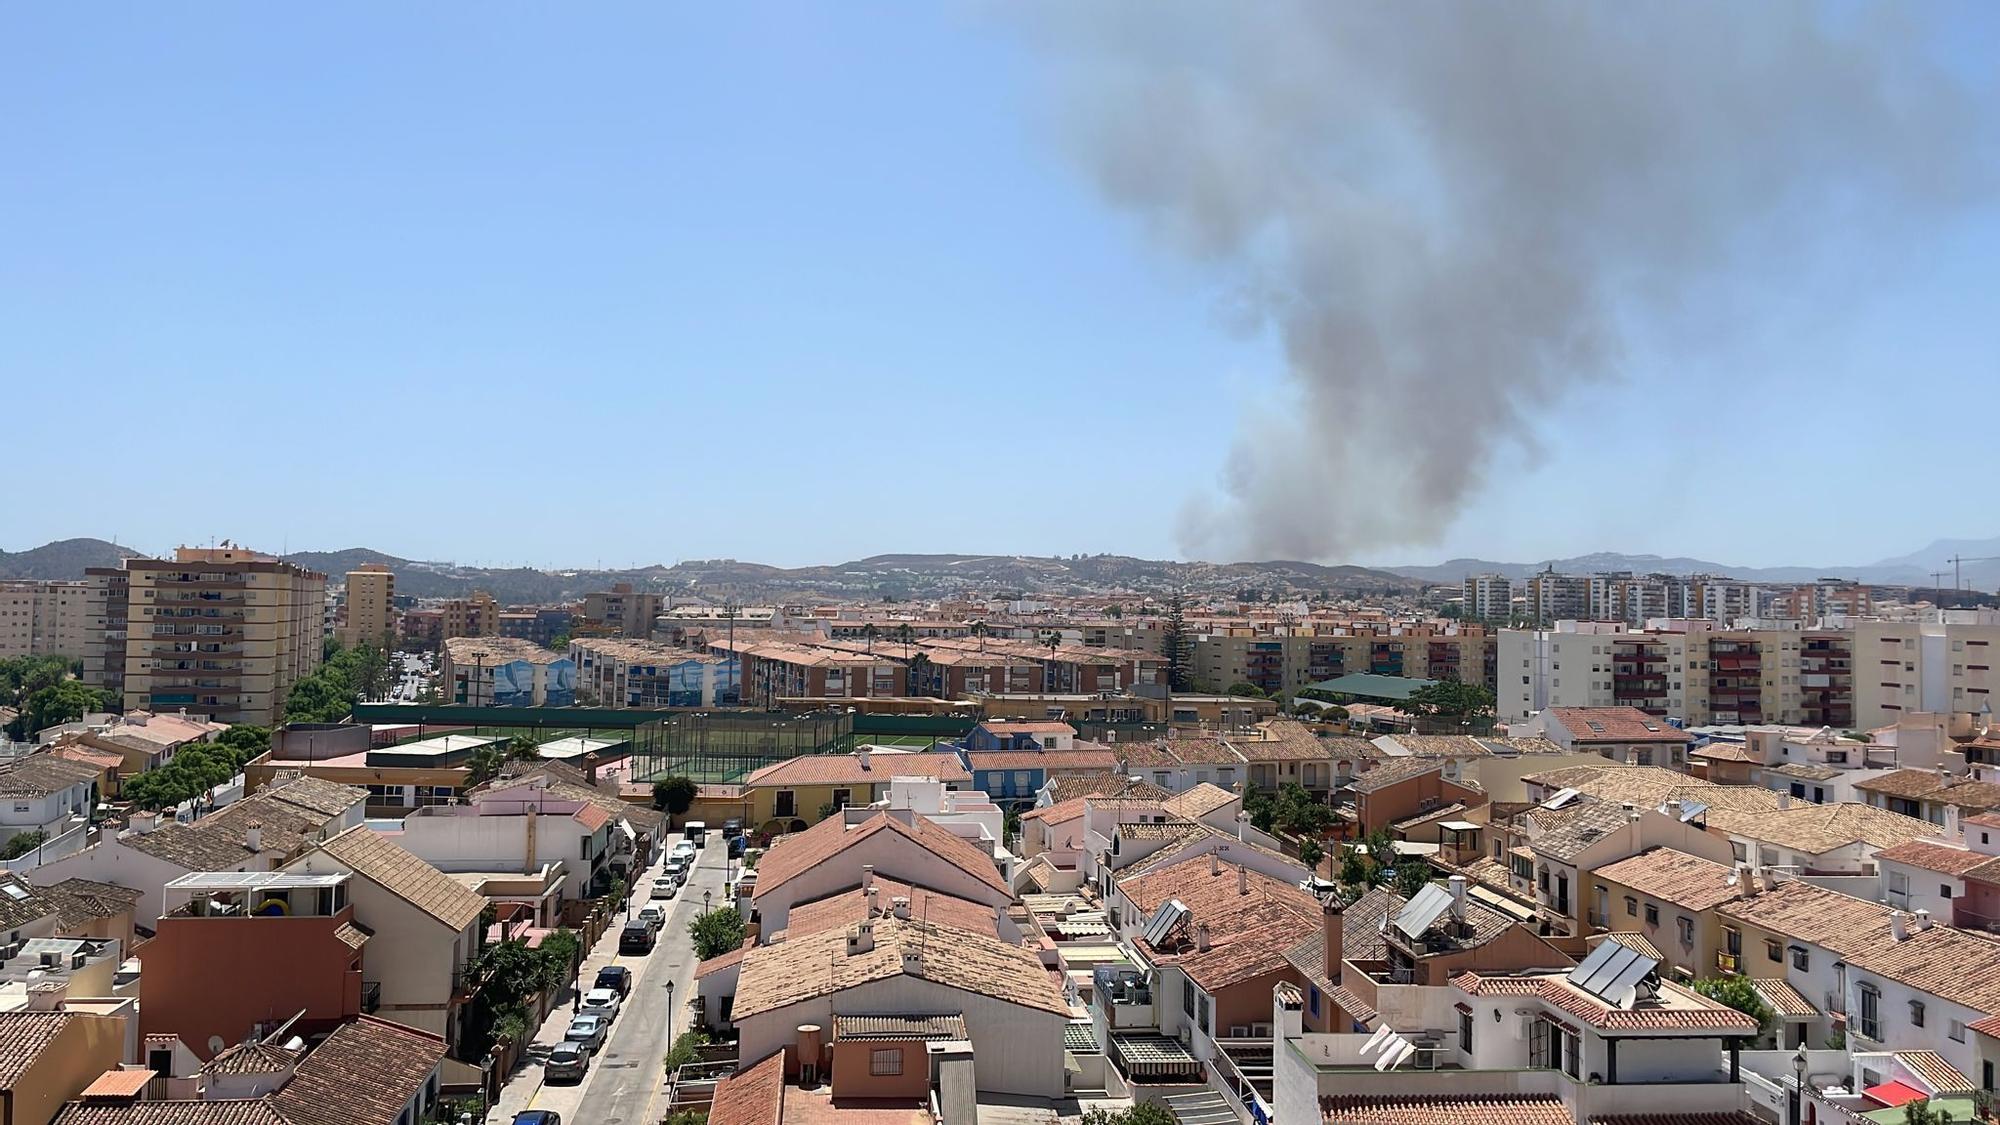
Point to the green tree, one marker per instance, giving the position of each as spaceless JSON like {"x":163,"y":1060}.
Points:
{"x":1739,"y":993}
{"x":1450,"y":701}
{"x":675,"y":794}
{"x":487,"y":762}
{"x":1920,"y":1112}
{"x":62,"y":702}
{"x":1246,"y":690}
{"x":559,"y":643}
{"x":1143,"y":1113}
{"x":1177,"y":645}
{"x":1411,"y":876}
{"x":716,"y":932}
{"x":686,"y":1049}
{"x":21,"y":843}
{"x":1310,"y":853}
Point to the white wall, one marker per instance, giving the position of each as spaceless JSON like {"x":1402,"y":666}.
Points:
{"x":500,"y":843}
{"x":109,"y":861}
{"x":894,"y":857}
{"x":411,"y":953}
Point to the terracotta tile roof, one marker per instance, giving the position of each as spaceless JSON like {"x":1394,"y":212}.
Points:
{"x":1942,"y":961}
{"x":1079,"y":760}
{"x":1817,"y":829}
{"x":1722,"y":752}
{"x":1202,"y":750}
{"x":1171,"y":831}
{"x":1990,"y":1026}
{"x":846,"y":769}
{"x":1284,"y":740}
{"x":1785,"y":1000}
{"x":117,"y":1084}
{"x":1586,"y":825}
{"x":401,"y":873}
{"x":1240,"y":907}
{"x":362,"y":1074}
{"x":23,"y":1038}
{"x":1391,"y":771}
{"x":899,"y":1027}
{"x":1805,"y":771}
{"x":591,"y":817}
{"x":257,"y":1112}
{"x":1930,"y":1066}
{"x":38,"y":775}
{"x":350,"y":935}
{"x":721,"y":961}
{"x":1058,"y":813}
{"x":1199,"y":802}
{"x":1105,"y":784}
{"x":1676,"y":1119}
{"x":220,"y":841}
{"x":751,"y":1096}
{"x":102,"y":759}
{"x":1652,"y":786}
{"x":1452,"y":811}
{"x":23,"y":903}
{"x":851,"y":906}
{"x":1308,"y":958}
{"x":1927,"y":855}
{"x":1927,"y":785}
{"x":804,"y":968}
{"x":1028,"y":726}
{"x":252,"y":1058}
{"x":1638,"y":943}
{"x":79,"y":902}
{"x":1437,"y":745}
{"x":1614,"y":724}
{"x":1684,"y":880}
{"x":1444,"y":1109}
{"x":801,"y":852}
{"x":1680,"y":1009}
{"x":1361,"y":928}
{"x":328,"y":798}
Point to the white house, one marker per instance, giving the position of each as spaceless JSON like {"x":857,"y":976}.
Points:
{"x":832,"y":855}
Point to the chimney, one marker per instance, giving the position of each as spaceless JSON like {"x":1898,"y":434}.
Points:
{"x":1201,"y":937}
{"x":913,"y":960}
{"x":48,"y":995}
{"x":143,"y":822}
{"x":861,"y":938}
{"x":1242,"y":880}
{"x":1214,"y":864}
{"x":1899,"y":926}
{"x":1459,"y":891}
{"x":861,"y":756}
{"x":1746,"y":881}
{"x":867,"y":876}
{"x":900,"y":906}
{"x":870,"y":895}
{"x":1673,"y":810}
{"x":1923,"y":919}
{"x":1953,"y":828}
{"x":1242,"y":827}
{"x":1784,"y":799}
{"x":253,"y":836}
{"x":1631,"y":811}
{"x":1332,"y":925}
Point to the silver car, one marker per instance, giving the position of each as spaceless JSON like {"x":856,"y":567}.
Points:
{"x":567,"y":1062}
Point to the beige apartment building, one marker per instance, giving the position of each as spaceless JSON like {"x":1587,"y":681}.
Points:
{"x":105,"y":609}
{"x":1942,"y":667}
{"x":475,"y":616}
{"x":221,"y":632}
{"x":42,"y":618}
{"x":1284,"y":663}
{"x":623,"y":612}
{"x":371,"y":608}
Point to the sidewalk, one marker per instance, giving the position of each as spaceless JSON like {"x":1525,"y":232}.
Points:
{"x":525,"y":1083}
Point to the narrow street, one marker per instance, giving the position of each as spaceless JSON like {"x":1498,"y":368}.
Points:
{"x":626,"y":1084}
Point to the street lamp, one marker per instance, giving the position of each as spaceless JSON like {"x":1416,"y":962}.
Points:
{"x":670,"y":1018}
{"x":1799,"y":1087}
{"x":704,"y":900}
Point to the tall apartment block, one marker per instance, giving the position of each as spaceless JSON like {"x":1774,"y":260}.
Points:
{"x":1487,"y":597}
{"x":476,"y":616}
{"x":220,"y":632}
{"x":105,"y":612}
{"x":43,"y":618}
{"x":371,"y":609}
{"x":1944,"y":667}
{"x":622,"y":611}
{"x":1284,"y":663}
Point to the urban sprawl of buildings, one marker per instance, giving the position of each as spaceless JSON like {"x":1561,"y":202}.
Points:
{"x":1575,"y":850}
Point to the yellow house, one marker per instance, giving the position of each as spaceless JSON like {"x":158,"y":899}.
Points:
{"x":1670,"y":897}
{"x":53,"y":1056}
{"x":794,"y":794}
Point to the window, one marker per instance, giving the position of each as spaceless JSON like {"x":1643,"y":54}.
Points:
{"x":1800,"y":959}
{"x":886,"y":1060}
{"x":1773,"y":950}
{"x":1916,"y":1013}
{"x":1732,"y":941}
{"x":1652,"y":915}
{"x":842,"y":798}
{"x":1956,"y":1029}
{"x":1631,"y":907}
{"x":1985,"y":1074}
{"x":786,"y":803}
{"x":1465,"y":1032}
{"x":1944,"y":890}
{"x":1187,"y":996}
{"x":1201,"y":1017}
{"x":1870,"y":1023}
{"x":1312,"y":999}
{"x":1686,"y":929}
{"x":24,"y":806}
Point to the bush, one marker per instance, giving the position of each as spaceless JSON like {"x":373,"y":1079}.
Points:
{"x":1737,"y":992}
{"x":674,"y":794}
{"x":687,"y":1047}
{"x":716,"y":932}
{"x":21,"y":843}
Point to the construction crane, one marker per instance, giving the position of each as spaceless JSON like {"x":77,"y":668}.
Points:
{"x":1957,"y":579}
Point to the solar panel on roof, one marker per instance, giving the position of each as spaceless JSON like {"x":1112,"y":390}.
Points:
{"x":1169,"y":915}
{"x":1623,"y":988}
{"x":1418,"y":914}
{"x":1691,"y":810}
{"x":1599,"y":966}
{"x":1560,"y":798}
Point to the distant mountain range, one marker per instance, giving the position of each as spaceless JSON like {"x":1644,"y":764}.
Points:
{"x":925,"y":576}
{"x":1918,"y":568}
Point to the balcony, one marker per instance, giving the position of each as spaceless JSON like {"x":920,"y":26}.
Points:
{"x":371,"y":996}
{"x":1123,"y":996}
{"x":1725,"y":962}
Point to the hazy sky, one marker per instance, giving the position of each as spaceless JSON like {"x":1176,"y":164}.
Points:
{"x":798,"y":283}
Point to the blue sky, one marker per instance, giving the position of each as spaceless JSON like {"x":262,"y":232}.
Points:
{"x":512,"y":285}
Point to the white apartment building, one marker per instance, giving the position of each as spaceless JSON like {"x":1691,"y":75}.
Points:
{"x":1488,"y":597}
{"x":42,"y":619}
{"x":1942,"y":666}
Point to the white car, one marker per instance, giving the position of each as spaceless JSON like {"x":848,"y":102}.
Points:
{"x":654,"y":914}
{"x":664,"y":888}
{"x":602,"y":1002}
{"x":684,"y":848}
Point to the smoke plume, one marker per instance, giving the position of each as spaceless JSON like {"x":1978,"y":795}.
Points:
{"x":1446,"y":211}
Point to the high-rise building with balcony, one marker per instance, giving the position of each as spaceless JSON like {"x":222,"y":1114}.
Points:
{"x":42,"y":618}
{"x":221,"y":632}
{"x":371,"y":609}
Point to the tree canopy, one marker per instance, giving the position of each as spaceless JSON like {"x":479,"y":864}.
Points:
{"x":674,"y":794}
{"x":1739,"y":993}
{"x":346,"y":676}
{"x":1450,"y":701}
{"x":716,"y":932}
{"x":197,"y":768}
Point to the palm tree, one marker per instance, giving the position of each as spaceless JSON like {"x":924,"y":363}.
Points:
{"x":488,"y":762}
{"x":868,"y":634}
{"x":979,"y":630}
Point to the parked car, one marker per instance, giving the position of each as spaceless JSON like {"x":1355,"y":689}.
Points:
{"x":664,"y":888}
{"x":636,"y":938}
{"x":676,"y":867}
{"x":657,"y":915}
{"x":695,"y":831}
{"x":538,"y":1117}
{"x":738,"y":845}
{"x":602,"y":1001}
{"x":732,"y":828}
{"x":567,"y":1062}
{"x":618,"y":978}
{"x":587,"y":1028}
